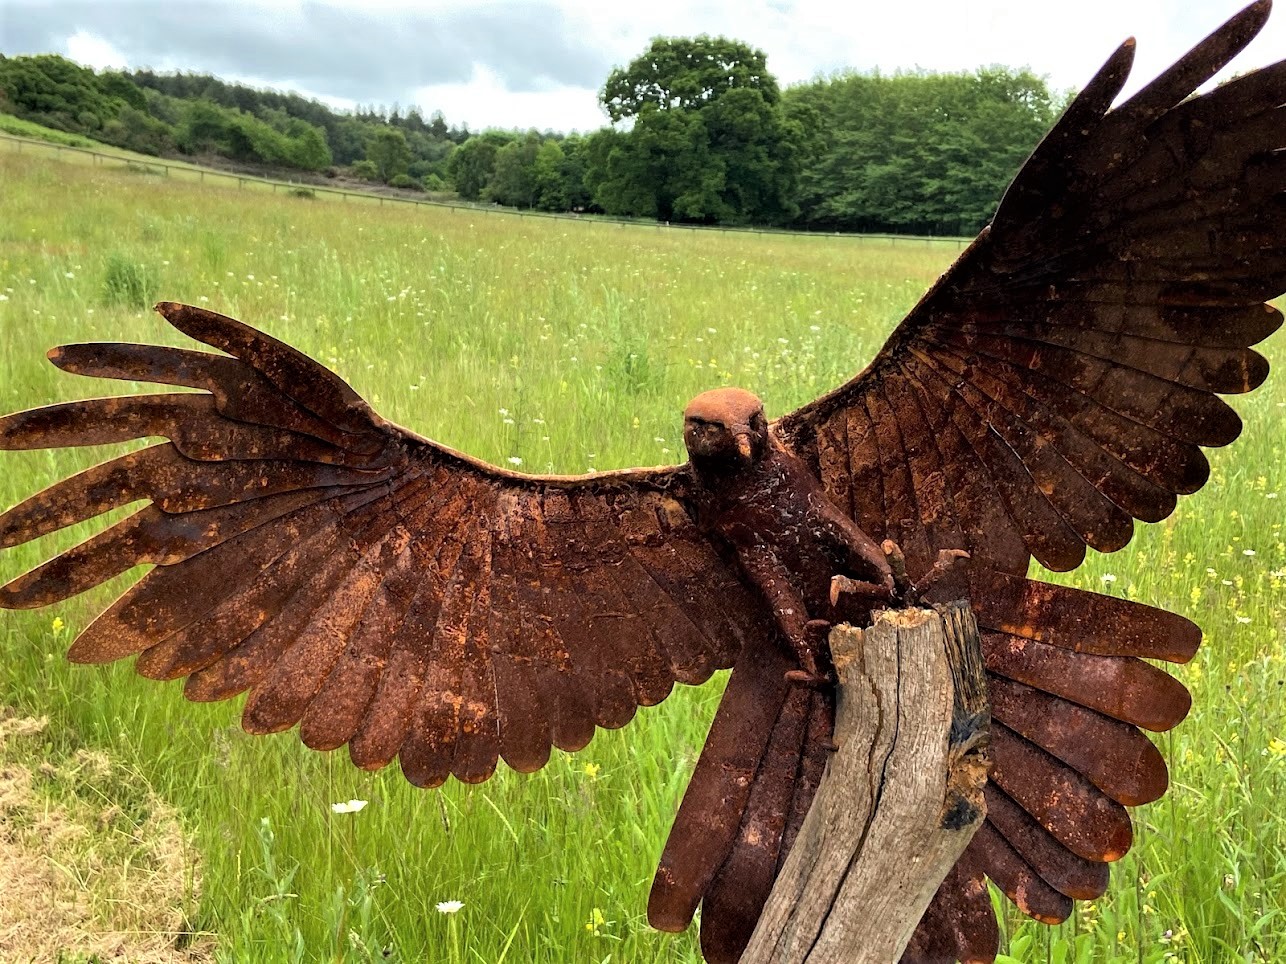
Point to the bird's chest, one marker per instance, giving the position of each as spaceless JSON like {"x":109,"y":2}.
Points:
{"x":774,"y":509}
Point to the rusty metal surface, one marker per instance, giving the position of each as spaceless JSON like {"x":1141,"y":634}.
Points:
{"x":386,"y":593}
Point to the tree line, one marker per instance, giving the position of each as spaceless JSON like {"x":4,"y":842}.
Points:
{"x":700,"y":132}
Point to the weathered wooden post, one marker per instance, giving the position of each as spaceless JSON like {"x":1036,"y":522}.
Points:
{"x":901,"y":798}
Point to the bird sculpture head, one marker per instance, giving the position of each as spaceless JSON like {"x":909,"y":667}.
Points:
{"x":725,"y":428}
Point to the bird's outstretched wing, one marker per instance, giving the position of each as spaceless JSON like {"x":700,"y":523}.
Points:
{"x":376,"y":588}
{"x":1057,"y":383}
{"x":1060,"y":380}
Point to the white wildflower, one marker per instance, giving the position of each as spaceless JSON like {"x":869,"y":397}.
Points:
{"x":450,"y":906}
{"x":352,"y":806}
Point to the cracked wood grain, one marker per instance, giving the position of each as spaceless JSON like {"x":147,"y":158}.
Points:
{"x":901,"y":798}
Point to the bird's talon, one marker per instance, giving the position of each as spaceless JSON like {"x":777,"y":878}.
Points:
{"x":948,"y":560}
{"x":811,"y":680}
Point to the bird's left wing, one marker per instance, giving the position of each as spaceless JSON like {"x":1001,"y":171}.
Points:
{"x":1061,"y":379}
{"x":378,"y":589}
{"x":1056,"y":384}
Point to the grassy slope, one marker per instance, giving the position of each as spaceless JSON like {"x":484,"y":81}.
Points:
{"x":570,"y":346}
{"x":25,"y":128}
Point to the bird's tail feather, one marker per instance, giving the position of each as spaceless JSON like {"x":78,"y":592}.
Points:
{"x":1067,"y":689}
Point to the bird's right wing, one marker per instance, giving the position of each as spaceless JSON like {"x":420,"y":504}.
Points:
{"x":372,"y":586}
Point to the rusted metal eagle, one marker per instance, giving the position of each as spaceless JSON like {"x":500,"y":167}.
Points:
{"x":1058,"y":382}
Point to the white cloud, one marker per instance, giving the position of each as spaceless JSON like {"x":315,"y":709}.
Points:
{"x":484,"y":102}
{"x":806,"y":37}
{"x":515,"y":46}
{"x":90,"y":51}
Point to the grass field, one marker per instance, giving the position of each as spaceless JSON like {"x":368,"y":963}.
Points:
{"x":571,"y":346}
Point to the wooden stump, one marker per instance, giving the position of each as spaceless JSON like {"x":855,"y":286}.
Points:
{"x":900,"y":800}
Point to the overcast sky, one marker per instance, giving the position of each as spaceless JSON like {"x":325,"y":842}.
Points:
{"x":540,"y":63}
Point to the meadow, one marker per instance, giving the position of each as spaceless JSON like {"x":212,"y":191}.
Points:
{"x":571,"y":346}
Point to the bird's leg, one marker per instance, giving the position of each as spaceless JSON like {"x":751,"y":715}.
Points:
{"x":806,"y":637}
{"x":816,"y":633}
{"x":844,"y":586}
{"x":905,"y":592}
{"x":862,"y":557}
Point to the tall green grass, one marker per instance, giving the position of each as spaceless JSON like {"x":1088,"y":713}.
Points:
{"x":573,"y":346}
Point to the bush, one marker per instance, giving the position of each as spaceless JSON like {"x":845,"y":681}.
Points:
{"x":406,"y":181}
{"x":304,"y":192}
{"x":127,"y":282}
{"x":434,"y":183}
{"x":366,"y":170}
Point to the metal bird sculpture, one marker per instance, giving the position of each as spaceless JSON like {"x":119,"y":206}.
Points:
{"x":1058,"y":382}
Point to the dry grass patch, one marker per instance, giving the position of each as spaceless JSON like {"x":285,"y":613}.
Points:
{"x":95,"y":865}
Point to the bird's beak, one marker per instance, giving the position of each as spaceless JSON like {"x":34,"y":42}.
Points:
{"x":744,"y":447}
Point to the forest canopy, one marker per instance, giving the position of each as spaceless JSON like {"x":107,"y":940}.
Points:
{"x":700,"y":132}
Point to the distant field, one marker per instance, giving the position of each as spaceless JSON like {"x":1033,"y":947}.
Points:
{"x":572,"y":346}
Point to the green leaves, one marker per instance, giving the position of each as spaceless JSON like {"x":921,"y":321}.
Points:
{"x":915,"y":152}
{"x":709,"y":144}
{"x":471,"y":166}
{"x":386,"y":148}
{"x":686,"y":73}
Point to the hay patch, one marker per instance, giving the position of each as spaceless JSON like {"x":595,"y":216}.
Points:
{"x":94,"y":864}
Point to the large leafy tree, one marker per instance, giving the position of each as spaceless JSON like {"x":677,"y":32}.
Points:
{"x":513,"y":178}
{"x":386,"y":148}
{"x":686,"y":73}
{"x":663,"y":169}
{"x":708,"y":140}
{"x":551,"y":186}
{"x":474,"y":162}
{"x":918,"y":152}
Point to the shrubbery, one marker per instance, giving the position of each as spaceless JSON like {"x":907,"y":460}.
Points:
{"x":711,"y":139}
